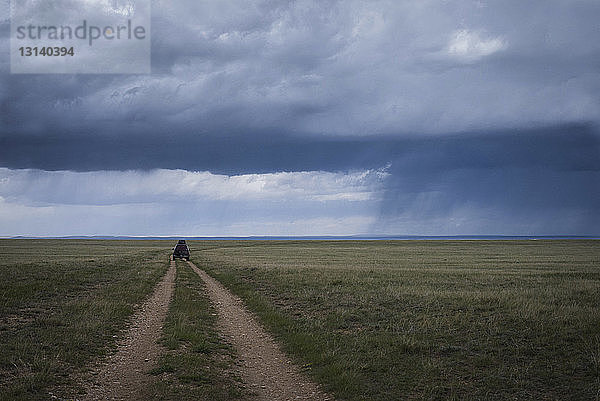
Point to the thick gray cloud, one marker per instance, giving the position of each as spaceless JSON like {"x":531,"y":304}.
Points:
{"x":335,"y":67}
{"x":527,"y":182}
{"x":485,"y":113}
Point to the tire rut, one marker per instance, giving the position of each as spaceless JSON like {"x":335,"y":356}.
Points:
{"x":124,"y":376}
{"x":270,"y":374}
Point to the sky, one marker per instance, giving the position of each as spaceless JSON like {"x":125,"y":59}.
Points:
{"x":315,"y":117}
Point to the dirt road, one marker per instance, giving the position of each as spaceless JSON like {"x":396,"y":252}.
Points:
{"x":125,"y":375}
{"x":265,"y":368}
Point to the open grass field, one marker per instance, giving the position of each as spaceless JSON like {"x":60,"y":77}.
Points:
{"x":61,"y":303}
{"x":370,"y":320}
{"x":464,"y":320}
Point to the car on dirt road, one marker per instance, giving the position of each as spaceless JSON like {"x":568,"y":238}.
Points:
{"x":181,"y":250}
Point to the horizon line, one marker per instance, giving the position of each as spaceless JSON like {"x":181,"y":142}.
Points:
{"x":306,"y":237}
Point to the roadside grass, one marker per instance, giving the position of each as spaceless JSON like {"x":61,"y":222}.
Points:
{"x":198,"y":364}
{"x":434,"y":320}
{"x":62,"y":303}
{"x":464,"y":320}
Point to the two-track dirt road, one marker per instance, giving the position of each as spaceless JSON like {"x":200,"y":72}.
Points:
{"x":266,"y":370}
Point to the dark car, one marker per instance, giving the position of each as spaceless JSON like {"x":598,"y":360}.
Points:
{"x":181,"y":250}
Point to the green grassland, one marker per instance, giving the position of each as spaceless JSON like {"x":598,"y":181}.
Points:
{"x":61,"y":303}
{"x":464,"y":320}
{"x":370,"y":320}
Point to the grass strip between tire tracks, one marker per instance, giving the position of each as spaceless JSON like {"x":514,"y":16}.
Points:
{"x":198,"y":363}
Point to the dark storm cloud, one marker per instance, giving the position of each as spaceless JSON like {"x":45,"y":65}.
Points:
{"x":563,"y":148}
{"x":536,"y":181}
{"x":524,"y":182}
{"x":485,"y":113}
{"x":332,"y":67}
